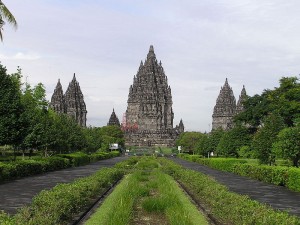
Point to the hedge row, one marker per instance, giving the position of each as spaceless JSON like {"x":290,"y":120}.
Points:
{"x":216,"y":163}
{"x":61,"y":203}
{"x":227,"y":207}
{"x":279,"y":175}
{"x":24,"y":168}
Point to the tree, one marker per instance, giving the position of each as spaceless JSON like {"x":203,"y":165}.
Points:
{"x":265,"y":137}
{"x":283,"y":100}
{"x":203,"y":145}
{"x":10,"y":107}
{"x":110,"y":135}
{"x":6,"y":15}
{"x":188,"y":141}
{"x":233,"y":140}
{"x":288,"y":144}
{"x":214,"y":138}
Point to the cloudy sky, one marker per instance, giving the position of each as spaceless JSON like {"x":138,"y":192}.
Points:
{"x":200,"y":43}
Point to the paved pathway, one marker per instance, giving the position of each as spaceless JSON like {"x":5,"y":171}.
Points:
{"x":15,"y":194}
{"x":275,"y":196}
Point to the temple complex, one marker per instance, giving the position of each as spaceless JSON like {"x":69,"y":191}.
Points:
{"x":226,"y":107}
{"x":113,"y":120}
{"x":71,"y":103}
{"x":149,"y":115}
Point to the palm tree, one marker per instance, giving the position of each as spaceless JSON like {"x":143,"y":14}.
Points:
{"x":6,"y":15}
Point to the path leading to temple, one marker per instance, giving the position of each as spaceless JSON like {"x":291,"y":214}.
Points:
{"x":17,"y":193}
{"x":277,"y":197}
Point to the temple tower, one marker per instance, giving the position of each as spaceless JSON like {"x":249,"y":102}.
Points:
{"x":224,"y":109}
{"x":113,"y":120}
{"x":75,"y":105}
{"x":72,"y":102}
{"x":242,"y":98}
{"x":57,"y":100}
{"x":150,"y":105}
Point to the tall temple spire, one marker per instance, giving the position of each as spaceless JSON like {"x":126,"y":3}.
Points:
{"x":151,"y":54}
{"x":150,"y":105}
{"x":113,"y":120}
{"x":242,"y":98}
{"x":225,"y":108}
{"x":72,"y":102}
{"x":57,"y":100}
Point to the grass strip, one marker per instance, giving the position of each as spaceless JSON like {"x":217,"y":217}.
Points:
{"x":227,"y":207}
{"x":159,"y":196}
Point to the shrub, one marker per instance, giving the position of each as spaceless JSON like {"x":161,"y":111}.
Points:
{"x":227,"y":207}
{"x":59,"y":204}
{"x":293,"y":182}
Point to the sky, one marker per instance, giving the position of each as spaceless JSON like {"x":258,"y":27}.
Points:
{"x":200,"y":43}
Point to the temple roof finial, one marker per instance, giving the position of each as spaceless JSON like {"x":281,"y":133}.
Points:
{"x":151,"y":48}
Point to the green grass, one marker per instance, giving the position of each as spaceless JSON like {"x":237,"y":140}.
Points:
{"x":117,"y":208}
{"x":157,"y":193}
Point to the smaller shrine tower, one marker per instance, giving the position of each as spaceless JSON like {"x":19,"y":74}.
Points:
{"x":224,"y":109}
{"x":72,"y":102}
{"x":113,"y":120}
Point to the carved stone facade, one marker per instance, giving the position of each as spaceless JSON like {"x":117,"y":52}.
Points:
{"x":113,"y":120}
{"x":149,"y":114}
{"x":226,"y":107}
{"x":72,"y":102}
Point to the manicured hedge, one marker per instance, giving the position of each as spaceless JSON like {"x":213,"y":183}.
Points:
{"x":279,"y":175}
{"x":227,"y":207}
{"x":223,"y":164}
{"x":14,"y":170}
{"x":24,"y":168}
{"x":61,"y":203}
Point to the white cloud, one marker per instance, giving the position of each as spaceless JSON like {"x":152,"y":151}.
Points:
{"x":20,"y":56}
{"x":200,"y":43}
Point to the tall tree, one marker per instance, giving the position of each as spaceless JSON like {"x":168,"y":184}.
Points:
{"x":10,"y":107}
{"x":265,"y":137}
{"x":6,"y":15}
{"x":233,"y":140}
{"x":288,"y":144}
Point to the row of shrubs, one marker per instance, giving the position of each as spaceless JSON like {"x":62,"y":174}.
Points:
{"x":24,"y":168}
{"x":61,"y":203}
{"x":279,"y":175}
{"x":227,"y":207}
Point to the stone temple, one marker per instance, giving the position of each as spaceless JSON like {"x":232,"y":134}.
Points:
{"x":71,"y":103}
{"x":113,"y":120}
{"x":149,"y":115}
{"x":226,"y":107}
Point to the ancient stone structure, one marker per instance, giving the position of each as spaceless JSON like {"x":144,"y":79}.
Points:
{"x":149,"y":114}
{"x":113,"y":120}
{"x":242,"y":98}
{"x":226,"y":107}
{"x":72,"y":102}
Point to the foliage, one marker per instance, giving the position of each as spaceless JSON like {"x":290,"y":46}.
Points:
{"x":6,"y":15}
{"x":24,"y":168}
{"x":10,"y":107}
{"x":224,"y":164}
{"x":188,"y":141}
{"x":227,"y":207}
{"x":265,"y":137}
{"x":110,"y":135}
{"x":278,"y":175}
{"x":232,"y":140}
{"x":152,"y":192}
{"x":214,"y":138}
{"x":288,"y":144}
{"x":58,"y":205}
{"x":283,"y":100}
